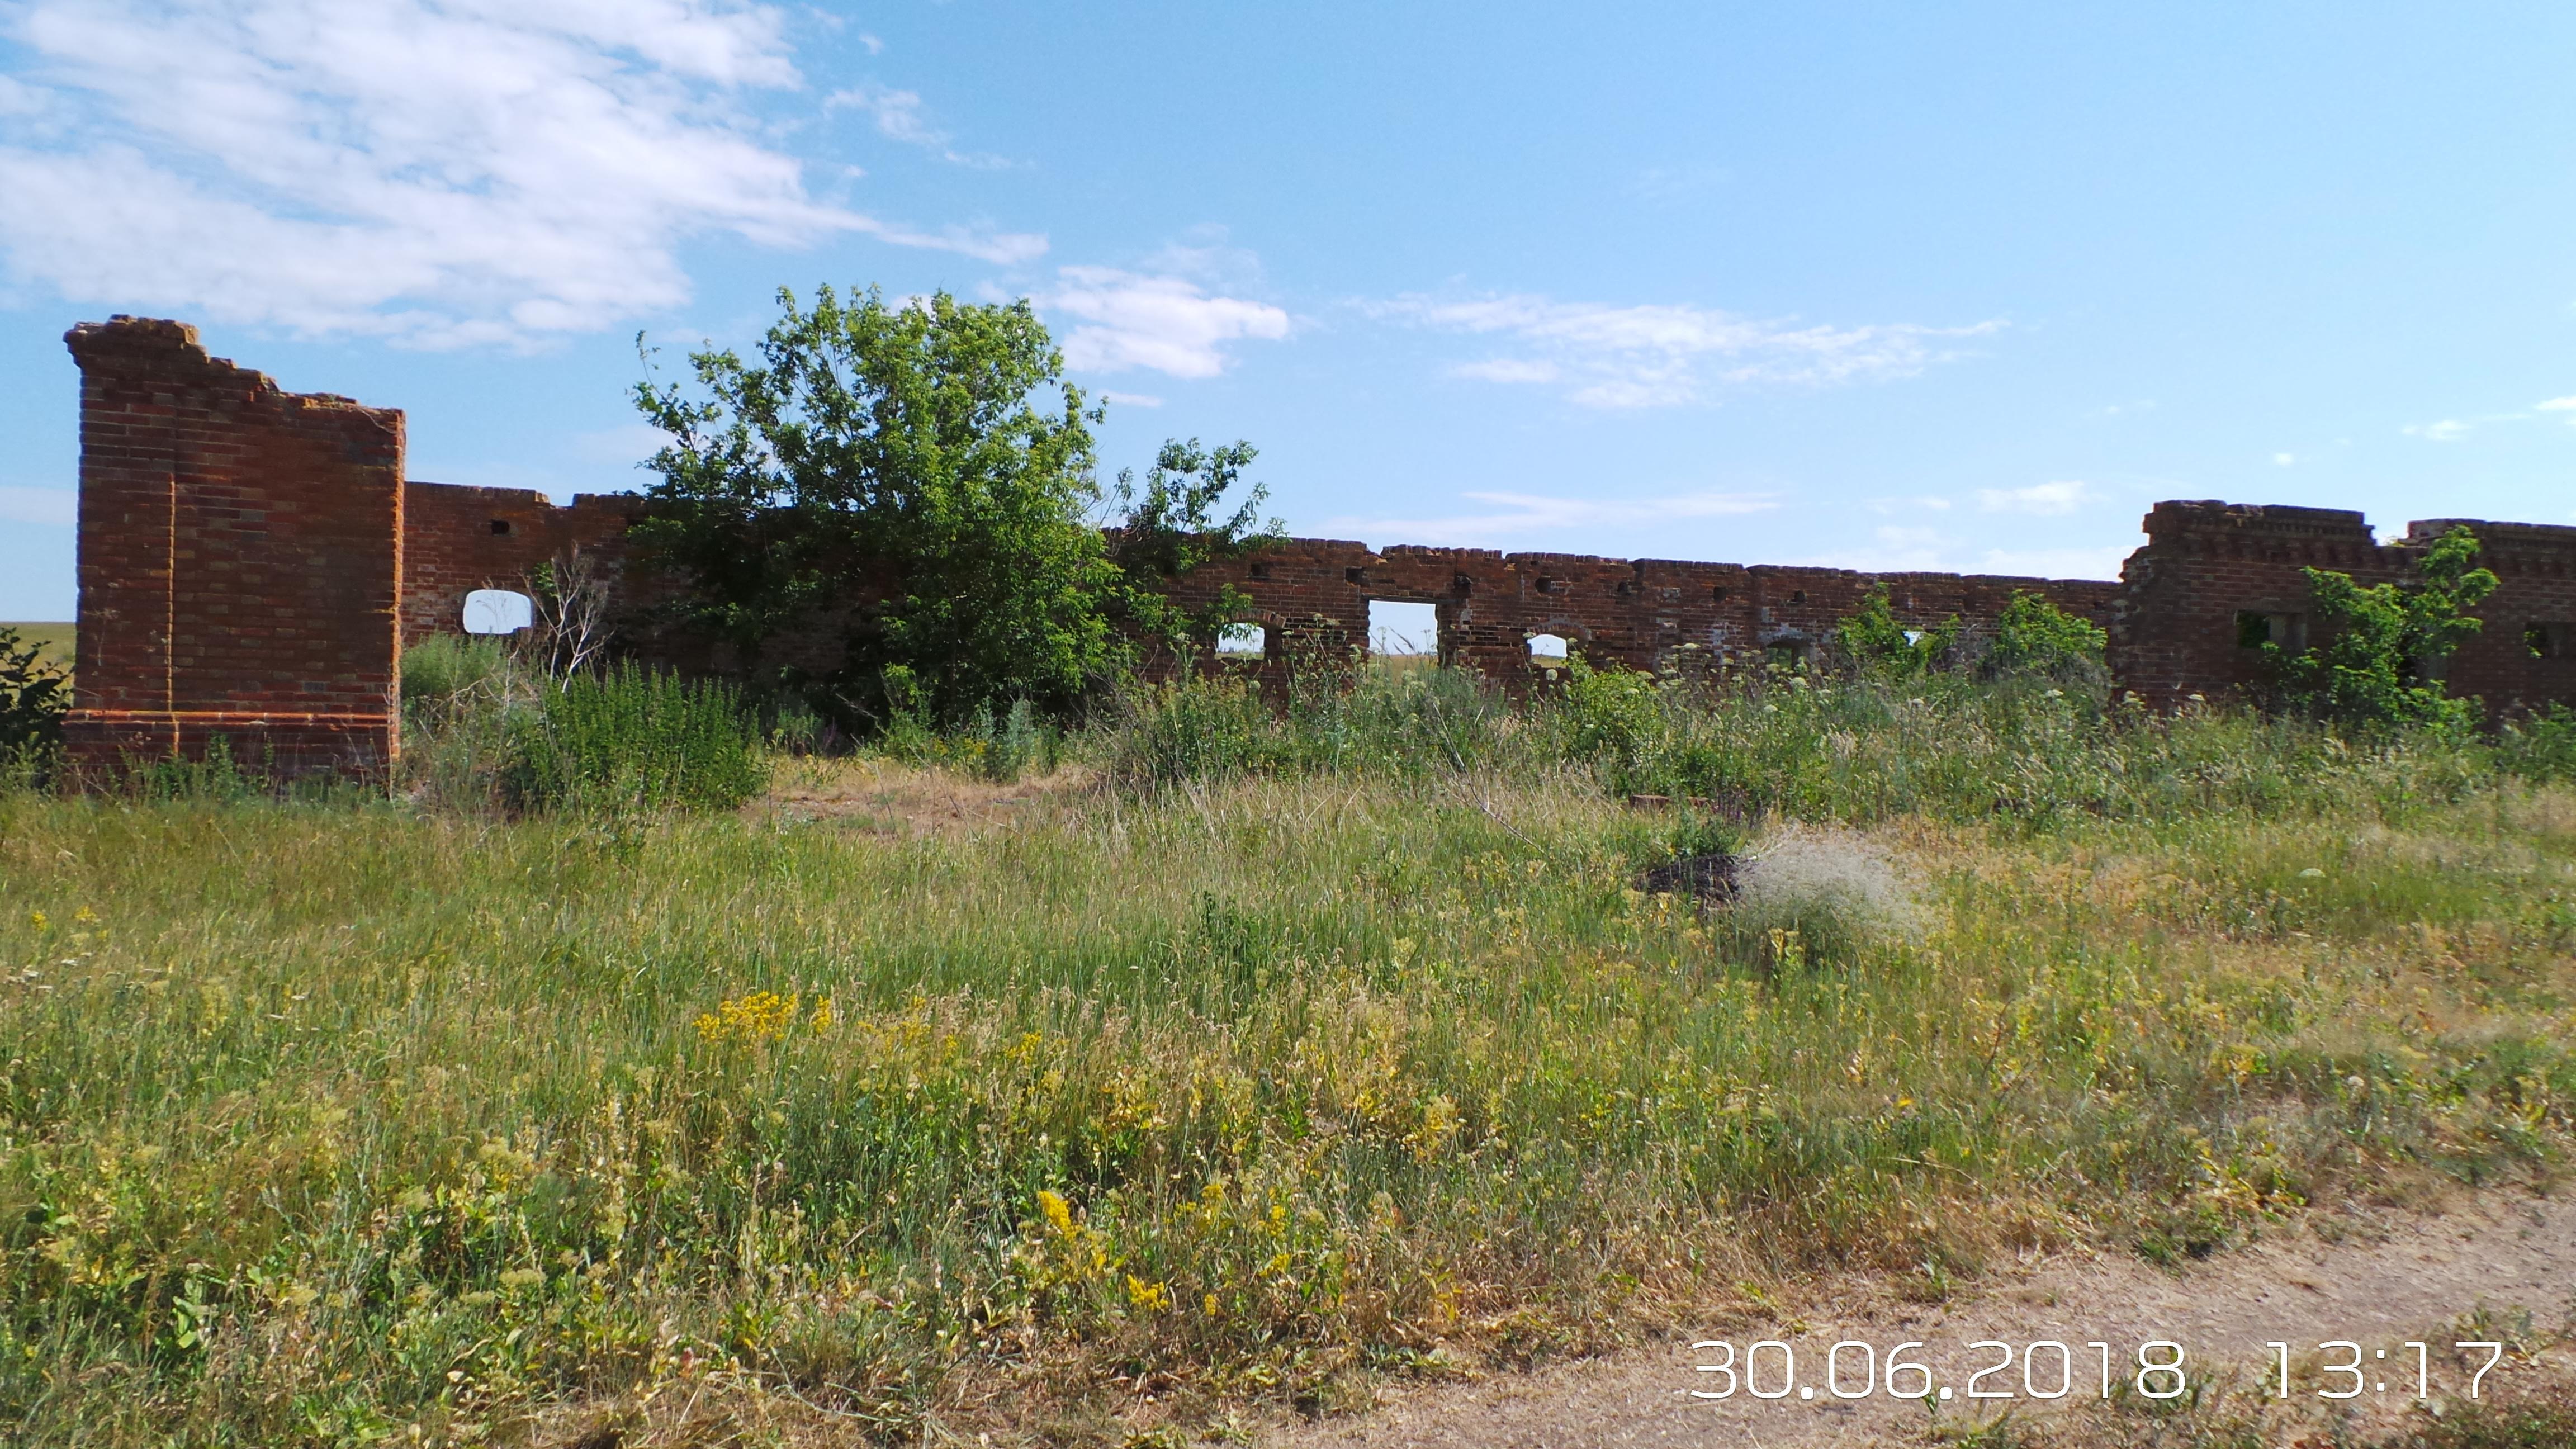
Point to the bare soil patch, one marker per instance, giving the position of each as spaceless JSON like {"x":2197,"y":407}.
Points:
{"x":2375,"y":1280}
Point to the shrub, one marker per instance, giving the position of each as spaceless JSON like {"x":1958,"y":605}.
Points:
{"x":2035,"y":637}
{"x":34,"y":696}
{"x":1877,"y":643}
{"x":1196,"y":728}
{"x":632,"y":739}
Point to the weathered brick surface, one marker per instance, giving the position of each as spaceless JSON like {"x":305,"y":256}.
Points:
{"x":2176,"y":632}
{"x":240,"y":558}
{"x":1642,"y":612}
{"x":251,"y":562}
{"x":459,"y":539}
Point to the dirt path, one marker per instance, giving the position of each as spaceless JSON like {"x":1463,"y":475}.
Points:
{"x":2382,"y":1283}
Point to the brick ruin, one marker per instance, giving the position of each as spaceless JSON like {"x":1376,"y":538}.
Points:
{"x":253,"y":561}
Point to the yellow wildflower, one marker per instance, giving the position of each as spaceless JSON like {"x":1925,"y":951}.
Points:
{"x":1059,"y":1213}
{"x":1152,"y":1297}
{"x":761,"y":1016}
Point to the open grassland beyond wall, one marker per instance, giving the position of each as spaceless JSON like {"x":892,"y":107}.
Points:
{"x":324,"y":1121}
{"x":57,"y":640}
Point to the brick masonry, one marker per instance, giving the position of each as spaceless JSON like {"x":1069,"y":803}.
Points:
{"x":251,"y":562}
{"x":240,"y":560}
{"x":2179,"y":629}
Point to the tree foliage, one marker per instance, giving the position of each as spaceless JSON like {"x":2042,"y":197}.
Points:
{"x":2034,"y":636}
{"x":2382,"y":649}
{"x":930,"y":442}
{"x":1170,"y":527}
{"x":920,"y":478}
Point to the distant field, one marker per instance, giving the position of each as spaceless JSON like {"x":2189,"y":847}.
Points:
{"x":56,"y":637}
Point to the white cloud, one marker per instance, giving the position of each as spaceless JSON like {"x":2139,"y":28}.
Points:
{"x":2558,"y":405}
{"x":439,"y":172}
{"x":56,"y":506}
{"x":2284,"y":460}
{"x":1132,"y":399}
{"x":1509,"y":514}
{"x":1165,"y":323}
{"x":2041,"y":498}
{"x":2445,"y":431}
{"x":1666,"y":355}
{"x":899,"y":117}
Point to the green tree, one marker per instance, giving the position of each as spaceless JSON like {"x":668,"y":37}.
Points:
{"x":1876,"y":642}
{"x":930,"y":444}
{"x":2382,"y":650}
{"x":1169,"y":528}
{"x":2034,"y":636}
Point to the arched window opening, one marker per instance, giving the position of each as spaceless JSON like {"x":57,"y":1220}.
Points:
{"x":498,"y":611}
{"x":1242,"y":641}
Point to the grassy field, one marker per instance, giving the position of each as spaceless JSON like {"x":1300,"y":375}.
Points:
{"x":56,"y":638}
{"x":1238,"y":1064}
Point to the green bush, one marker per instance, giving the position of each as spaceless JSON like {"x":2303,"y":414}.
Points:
{"x":1194,"y":729}
{"x":632,"y":739}
{"x":34,"y":696}
{"x":2035,"y":637}
{"x":1877,"y":643}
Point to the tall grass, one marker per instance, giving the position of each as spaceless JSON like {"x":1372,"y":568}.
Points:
{"x":1360,"y":1054}
{"x":483,"y":729}
{"x":631,"y":739}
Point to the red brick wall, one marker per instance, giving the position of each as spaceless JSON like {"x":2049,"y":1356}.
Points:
{"x":240,"y":552}
{"x":2205,"y":563}
{"x":251,"y":560}
{"x":1641,"y":612}
{"x":458,"y":539}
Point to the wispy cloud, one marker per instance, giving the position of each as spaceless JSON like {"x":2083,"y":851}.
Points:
{"x":438,"y":172}
{"x":2041,"y":498}
{"x":2446,"y":431}
{"x":1510,"y":515}
{"x":2285,"y":460}
{"x":1666,"y":355}
{"x":1169,"y":324}
{"x":1132,"y":399}
{"x":899,"y":117}
{"x":2451,"y":430}
{"x":2558,"y":405}
{"x":60,"y":506}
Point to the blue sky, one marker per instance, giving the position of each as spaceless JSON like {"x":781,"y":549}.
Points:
{"x":1877,"y":285}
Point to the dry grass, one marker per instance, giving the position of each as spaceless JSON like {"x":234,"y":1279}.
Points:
{"x":1121,"y":1110}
